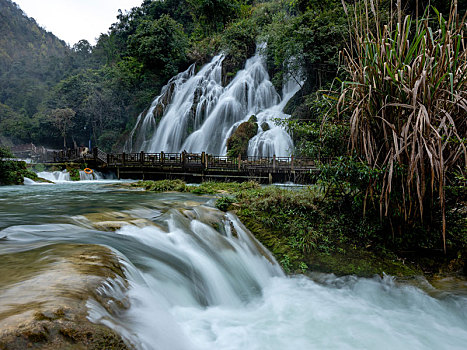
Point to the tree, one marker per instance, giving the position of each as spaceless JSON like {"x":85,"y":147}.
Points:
{"x":62,"y":118}
{"x":160,"y":45}
{"x":213,"y":15}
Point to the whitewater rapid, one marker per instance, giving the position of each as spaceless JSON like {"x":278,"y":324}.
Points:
{"x":195,"y":278}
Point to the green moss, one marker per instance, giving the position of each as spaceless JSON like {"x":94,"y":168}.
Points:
{"x":210,"y":187}
{"x":306,"y":232}
{"x":265,"y":126}
{"x":162,"y":186}
{"x":224,"y":203}
{"x":74,"y":174}
{"x":237,"y":143}
{"x":39,"y":167}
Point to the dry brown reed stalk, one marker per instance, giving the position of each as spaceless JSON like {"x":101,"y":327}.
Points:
{"x":407,"y":94}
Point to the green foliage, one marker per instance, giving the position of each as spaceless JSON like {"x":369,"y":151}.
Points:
{"x":224,"y":203}
{"x":237,"y":143}
{"x":74,"y":174}
{"x":317,"y":132}
{"x":211,"y":16}
{"x":306,"y":46}
{"x":5,"y":153}
{"x":238,"y":41}
{"x":160,"y":45}
{"x":162,"y":186}
{"x":62,"y":119}
{"x":304,"y":229}
{"x":210,"y":187}
{"x":13,"y":172}
{"x":407,"y":93}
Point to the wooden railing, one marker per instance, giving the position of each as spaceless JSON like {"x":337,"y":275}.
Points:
{"x":192,"y":161}
{"x":205,"y":161}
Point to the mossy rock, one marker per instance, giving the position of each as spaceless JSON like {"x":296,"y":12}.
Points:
{"x":237,"y":143}
{"x":265,"y":126}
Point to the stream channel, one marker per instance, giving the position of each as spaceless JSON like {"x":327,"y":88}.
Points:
{"x":193,"y":277}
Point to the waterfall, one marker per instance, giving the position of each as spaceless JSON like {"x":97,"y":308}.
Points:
{"x":197,"y":114}
{"x":64,"y":176}
{"x":55,"y":176}
{"x":95,"y":175}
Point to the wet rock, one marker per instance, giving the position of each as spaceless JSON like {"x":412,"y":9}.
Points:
{"x":112,"y":221}
{"x":44,"y":294}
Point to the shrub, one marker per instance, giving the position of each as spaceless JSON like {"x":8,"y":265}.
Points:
{"x":407,"y":93}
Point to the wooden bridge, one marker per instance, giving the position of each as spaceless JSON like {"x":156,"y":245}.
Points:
{"x":196,"y":167}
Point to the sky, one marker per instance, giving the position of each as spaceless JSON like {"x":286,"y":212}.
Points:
{"x":73,"y":20}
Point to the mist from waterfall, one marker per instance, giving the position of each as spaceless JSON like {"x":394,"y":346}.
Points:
{"x":197,"y":114}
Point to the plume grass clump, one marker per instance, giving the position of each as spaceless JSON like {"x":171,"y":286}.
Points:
{"x":407,"y":93}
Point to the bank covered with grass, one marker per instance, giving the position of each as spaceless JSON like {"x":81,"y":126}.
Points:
{"x":309,"y":230}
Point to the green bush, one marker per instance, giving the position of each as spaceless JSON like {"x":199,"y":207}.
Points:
{"x":14,"y":172}
{"x":224,"y":203}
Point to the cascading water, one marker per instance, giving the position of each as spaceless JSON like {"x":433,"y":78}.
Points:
{"x":64,"y":176}
{"x":55,"y":176}
{"x":95,"y":175}
{"x":195,"y":278}
{"x":197,"y":114}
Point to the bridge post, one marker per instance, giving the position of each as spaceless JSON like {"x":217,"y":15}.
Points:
{"x":142,"y":158}
{"x":183,"y":159}
{"x":291,"y":163}
{"x":274,"y":163}
{"x":203,"y":160}
{"x":123,"y":158}
{"x":94,"y":153}
{"x":239,"y":161}
{"x":162,"y":157}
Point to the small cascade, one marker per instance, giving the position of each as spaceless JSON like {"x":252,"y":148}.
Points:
{"x":197,"y":114}
{"x":95,"y":175}
{"x":64,"y":176}
{"x":274,"y":140}
{"x":28,"y":181}
{"x":55,"y":176}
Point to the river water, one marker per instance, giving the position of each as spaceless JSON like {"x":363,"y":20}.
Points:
{"x":195,"y":278}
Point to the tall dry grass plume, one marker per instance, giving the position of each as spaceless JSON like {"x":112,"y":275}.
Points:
{"x":407,"y":94}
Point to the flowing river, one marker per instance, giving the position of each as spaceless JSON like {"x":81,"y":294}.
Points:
{"x":194,"y":278}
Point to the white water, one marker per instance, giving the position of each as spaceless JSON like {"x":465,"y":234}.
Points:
{"x":64,"y":176}
{"x":199,"y":114}
{"x":196,"y":288}
{"x":55,"y":176}
{"x":193,"y":287}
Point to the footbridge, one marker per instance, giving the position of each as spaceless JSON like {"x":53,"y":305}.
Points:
{"x":196,"y":167}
